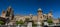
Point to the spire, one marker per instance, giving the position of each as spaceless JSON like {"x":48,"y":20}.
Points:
{"x":3,"y":11}
{"x":9,"y":8}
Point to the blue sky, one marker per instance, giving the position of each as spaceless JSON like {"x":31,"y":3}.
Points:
{"x":25,"y":7}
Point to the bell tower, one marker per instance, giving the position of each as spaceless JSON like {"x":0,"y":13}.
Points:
{"x":3,"y":14}
{"x":40,"y":16}
{"x":10,"y":13}
{"x":50,"y":14}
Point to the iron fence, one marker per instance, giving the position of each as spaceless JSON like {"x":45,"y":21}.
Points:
{"x":26,"y":26}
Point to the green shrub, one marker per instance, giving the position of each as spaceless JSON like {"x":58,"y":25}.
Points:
{"x":19,"y":22}
{"x":50,"y":21}
{"x":1,"y":22}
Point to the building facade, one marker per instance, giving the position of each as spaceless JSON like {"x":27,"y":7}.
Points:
{"x":39,"y":17}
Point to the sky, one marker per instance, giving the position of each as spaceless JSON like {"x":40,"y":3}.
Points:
{"x":26,"y":7}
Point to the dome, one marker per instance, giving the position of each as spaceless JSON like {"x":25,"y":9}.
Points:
{"x":30,"y":14}
{"x":44,"y":14}
{"x":39,"y":10}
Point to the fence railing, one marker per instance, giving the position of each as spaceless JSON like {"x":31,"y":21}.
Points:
{"x":16,"y":26}
{"x":26,"y":26}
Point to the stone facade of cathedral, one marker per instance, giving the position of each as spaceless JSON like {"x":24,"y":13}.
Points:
{"x":8,"y":15}
{"x":39,"y":17}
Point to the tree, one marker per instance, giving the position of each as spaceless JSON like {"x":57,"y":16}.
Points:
{"x":1,"y":22}
{"x":19,"y":22}
{"x":49,"y":21}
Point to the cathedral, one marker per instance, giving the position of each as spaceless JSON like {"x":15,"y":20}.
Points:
{"x":10,"y":18}
{"x":7,"y":16}
{"x":39,"y":17}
